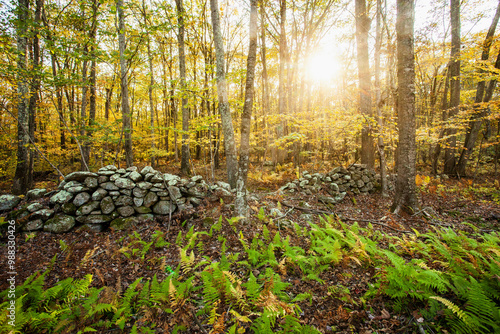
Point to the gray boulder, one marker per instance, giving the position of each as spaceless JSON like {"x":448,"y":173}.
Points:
{"x":174,"y":193}
{"x":147,"y":170}
{"x":107,"y":205}
{"x":79,"y":176}
{"x":196,"y":178}
{"x":87,"y":208}
{"x":123,"y":200}
{"x":124,"y":183}
{"x":142,"y":209}
{"x":102,"y":179}
{"x":108,"y":167}
{"x":123,"y":223}
{"x":198,"y":191}
{"x":134,"y":176}
{"x":68,"y":208}
{"x":61,"y":197}
{"x":35,"y":194}
{"x":138,"y":201}
{"x":144,"y":185}
{"x":96,"y":219}
{"x":99,"y":194}
{"x":109,"y":186}
{"x":81,"y":199}
{"x":77,"y":189}
{"x":35,"y":206}
{"x":59,"y":224}
{"x":126,"y":211}
{"x":33,"y":225}
{"x":106,"y":173}
{"x":8,"y":202}
{"x":150,"y":199}
{"x":164,"y":208}
{"x":138,"y":192}
{"x":91,"y":182}
{"x":42,"y":214}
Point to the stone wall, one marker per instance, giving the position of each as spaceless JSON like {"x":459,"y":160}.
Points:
{"x":112,"y":197}
{"x":118,"y":198}
{"x":356,"y":179}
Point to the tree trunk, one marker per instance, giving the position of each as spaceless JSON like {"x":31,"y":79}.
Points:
{"x":265,"y":81}
{"x":405,"y":194}
{"x":241,"y":206}
{"x":35,"y":87}
{"x":83,"y":112}
{"x":380,"y":141}
{"x":185,"y":170}
{"x":479,"y":111}
{"x":21,"y":178}
{"x":127,"y":128}
{"x":280,"y":129}
{"x":365,"y":100}
{"x":225,"y":112}
{"x":449,"y":154}
{"x":92,"y":97}
{"x":151,"y":85}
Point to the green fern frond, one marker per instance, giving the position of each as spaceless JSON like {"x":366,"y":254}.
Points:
{"x":456,"y":310}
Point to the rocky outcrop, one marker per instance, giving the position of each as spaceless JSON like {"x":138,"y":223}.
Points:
{"x":112,"y":197}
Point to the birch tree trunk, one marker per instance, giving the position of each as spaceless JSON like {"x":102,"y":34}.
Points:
{"x":240,"y":204}
{"x":405,"y":194}
{"x":225,"y":112}
{"x":127,"y":128}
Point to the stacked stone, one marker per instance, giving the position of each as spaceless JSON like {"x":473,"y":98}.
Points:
{"x":356,"y":179}
{"x":116,"y":198}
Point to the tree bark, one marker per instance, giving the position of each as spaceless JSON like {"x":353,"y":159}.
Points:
{"x":282,"y":107}
{"x":93,"y":74}
{"x":83,"y":112}
{"x":479,"y":112}
{"x":224,"y":110}
{"x":365,"y":100}
{"x":185,"y":170}
{"x":151,"y":85}
{"x":449,"y":154}
{"x":241,"y":205}
{"x":444,"y":108}
{"x":35,"y":87}
{"x":21,"y":179}
{"x":265,"y":81}
{"x":405,"y":194}
{"x":127,"y":127}
{"x":380,"y":140}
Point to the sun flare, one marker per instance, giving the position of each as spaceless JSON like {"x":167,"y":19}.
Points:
{"x":323,"y":67}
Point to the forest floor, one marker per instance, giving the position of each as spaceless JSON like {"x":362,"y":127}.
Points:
{"x":458,"y":204}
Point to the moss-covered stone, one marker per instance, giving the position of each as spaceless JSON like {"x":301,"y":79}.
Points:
{"x":123,"y":223}
{"x":59,"y":224}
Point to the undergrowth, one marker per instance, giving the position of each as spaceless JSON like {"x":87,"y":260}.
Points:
{"x":452,"y":278}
